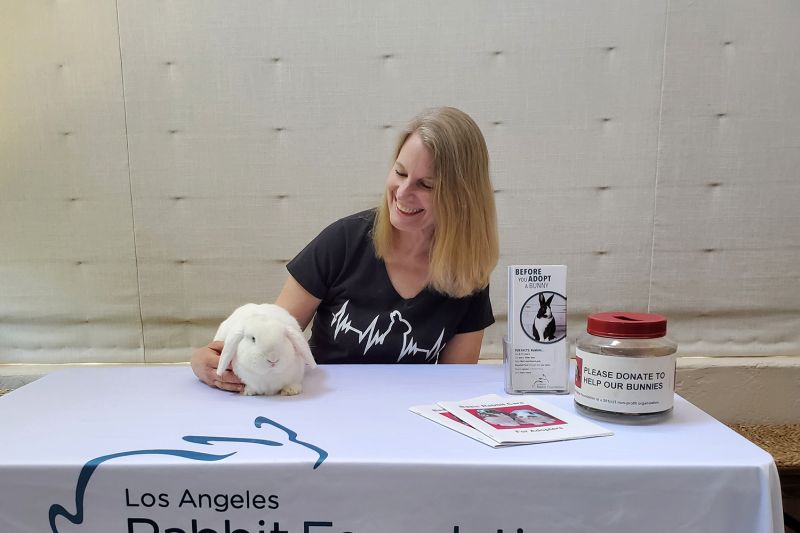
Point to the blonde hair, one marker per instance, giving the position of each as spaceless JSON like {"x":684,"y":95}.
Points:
{"x":464,"y":249}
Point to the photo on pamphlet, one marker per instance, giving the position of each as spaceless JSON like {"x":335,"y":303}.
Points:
{"x":514,"y":417}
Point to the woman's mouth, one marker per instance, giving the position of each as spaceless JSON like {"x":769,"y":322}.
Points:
{"x":405,"y":209}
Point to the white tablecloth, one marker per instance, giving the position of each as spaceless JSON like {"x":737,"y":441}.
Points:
{"x":153,"y":450}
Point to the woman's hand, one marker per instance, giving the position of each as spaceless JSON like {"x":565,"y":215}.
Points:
{"x":204,"y":365}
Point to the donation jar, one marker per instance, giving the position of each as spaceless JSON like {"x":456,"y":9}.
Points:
{"x":625,"y":368}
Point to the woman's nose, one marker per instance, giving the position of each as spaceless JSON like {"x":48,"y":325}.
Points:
{"x":402,"y":187}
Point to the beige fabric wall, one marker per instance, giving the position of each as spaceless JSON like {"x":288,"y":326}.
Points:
{"x":161,"y":161}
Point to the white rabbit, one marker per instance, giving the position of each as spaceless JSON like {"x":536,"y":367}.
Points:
{"x":267,"y":347}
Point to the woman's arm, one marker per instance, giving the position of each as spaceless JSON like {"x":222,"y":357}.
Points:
{"x":463,"y":348}
{"x":300,"y":303}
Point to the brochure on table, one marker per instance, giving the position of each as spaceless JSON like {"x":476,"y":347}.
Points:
{"x":442,"y":416}
{"x":497,"y":421}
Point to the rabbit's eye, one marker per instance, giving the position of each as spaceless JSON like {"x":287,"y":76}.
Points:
{"x":253,"y":339}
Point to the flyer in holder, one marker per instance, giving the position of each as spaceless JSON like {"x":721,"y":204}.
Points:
{"x":522,"y":420}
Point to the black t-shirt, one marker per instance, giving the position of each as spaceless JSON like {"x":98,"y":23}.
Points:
{"x":361,"y":318}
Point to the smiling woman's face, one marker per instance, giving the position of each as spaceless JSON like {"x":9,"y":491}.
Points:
{"x":409,"y":188}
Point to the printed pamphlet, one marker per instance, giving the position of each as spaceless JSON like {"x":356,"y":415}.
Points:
{"x":449,"y":420}
{"x":535,"y":350}
{"x":523,"y":419}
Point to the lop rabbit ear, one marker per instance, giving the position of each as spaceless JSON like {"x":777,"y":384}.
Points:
{"x":301,"y":346}
{"x":229,"y":350}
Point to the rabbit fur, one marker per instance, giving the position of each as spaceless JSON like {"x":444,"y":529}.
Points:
{"x":267,"y":348}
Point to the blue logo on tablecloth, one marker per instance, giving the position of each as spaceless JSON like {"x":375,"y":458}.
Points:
{"x":88,"y":469}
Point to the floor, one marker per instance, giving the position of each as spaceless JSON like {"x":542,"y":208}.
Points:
{"x":15,"y":382}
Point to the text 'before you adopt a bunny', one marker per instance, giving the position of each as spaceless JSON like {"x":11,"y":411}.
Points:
{"x":532,"y":277}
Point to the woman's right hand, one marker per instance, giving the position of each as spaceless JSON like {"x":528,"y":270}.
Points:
{"x":204,"y":365}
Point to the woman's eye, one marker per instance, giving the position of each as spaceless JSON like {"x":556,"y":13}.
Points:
{"x":426,"y":185}
{"x":400,"y":173}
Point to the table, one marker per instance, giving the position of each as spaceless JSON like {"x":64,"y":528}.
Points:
{"x":153,"y":450}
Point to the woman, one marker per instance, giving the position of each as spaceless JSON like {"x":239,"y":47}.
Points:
{"x":407,"y":282}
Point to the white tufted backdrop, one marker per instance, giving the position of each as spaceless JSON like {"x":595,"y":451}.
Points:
{"x":161,"y":160}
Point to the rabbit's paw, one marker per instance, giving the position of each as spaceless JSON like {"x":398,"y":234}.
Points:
{"x":291,"y":390}
{"x":249,"y":391}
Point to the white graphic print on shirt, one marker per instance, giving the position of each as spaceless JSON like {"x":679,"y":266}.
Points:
{"x":373,"y":336}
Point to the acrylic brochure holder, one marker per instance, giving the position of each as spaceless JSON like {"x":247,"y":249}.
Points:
{"x":535,"y":348}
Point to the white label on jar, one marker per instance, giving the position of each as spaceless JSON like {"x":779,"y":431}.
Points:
{"x":624,"y":384}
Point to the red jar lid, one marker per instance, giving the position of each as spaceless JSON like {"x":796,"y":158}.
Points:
{"x":627,"y":325}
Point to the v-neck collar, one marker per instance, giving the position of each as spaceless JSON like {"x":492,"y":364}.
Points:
{"x":388,"y":279}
